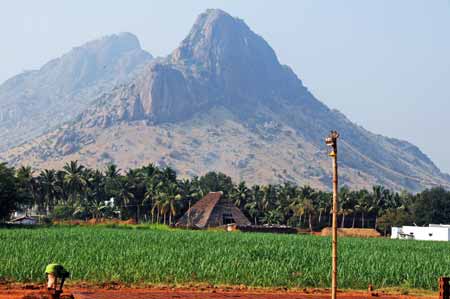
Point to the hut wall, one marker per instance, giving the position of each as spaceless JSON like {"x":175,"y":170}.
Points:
{"x":226,"y":207}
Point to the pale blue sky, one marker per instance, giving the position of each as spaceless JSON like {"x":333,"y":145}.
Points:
{"x":384,"y":63}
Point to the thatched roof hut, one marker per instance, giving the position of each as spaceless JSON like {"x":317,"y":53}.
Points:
{"x":211,"y":211}
{"x":25,"y":220}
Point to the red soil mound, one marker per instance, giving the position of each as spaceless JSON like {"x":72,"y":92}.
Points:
{"x":94,"y":221}
{"x":353,"y":232}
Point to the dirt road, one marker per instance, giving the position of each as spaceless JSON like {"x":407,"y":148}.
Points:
{"x":193,"y":294}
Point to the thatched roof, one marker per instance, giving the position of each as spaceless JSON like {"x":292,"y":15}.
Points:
{"x":24,"y":219}
{"x":206,"y":212}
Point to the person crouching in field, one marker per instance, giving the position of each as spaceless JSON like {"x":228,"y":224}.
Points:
{"x":53,"y":272}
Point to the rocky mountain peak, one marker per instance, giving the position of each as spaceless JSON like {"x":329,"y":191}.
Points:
{"x":221,"y":43}
{"x":224,"y":52}
{"x":120,"y":42}
{"x":213,"y":28}
{"x":96,"y":60}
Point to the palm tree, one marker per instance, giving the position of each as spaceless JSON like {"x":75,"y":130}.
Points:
{"x":255,"y":205}
{"x":364,"y":205}
{"x":286,"y":193}
{"x":74,"y":179}
{"x":163,"y":201}
{"x":308,"y":198}
{"x":270,"y":195}
{"x":150,"y":171}
{"x":169,"y":174}
{"x":310,"y":210}
{"x":272,"y":217}
{"x":96,"y":209}
{"x":379,"y":195}
{"x":169,"y":193}
{"x":112,"y":171}
{"x":124,"y":194}
{"x":112,"y":180}
{"x":25,"y":173}
{"x":344,"y":204}
{"x":173,"y":205}
{"x":240,"y":195}
{"x":62,"y":187}
{"x":50,"y":189}
{"x":137,"y":186}
{"x":304,"y":206}
{"x":150,"y":195}
{"x":92,"y":209}
{"x":252,"y":209}
{"x":26,"y":185}
{"x":191,"y":192}
{"x":196,"y":190}
{"x":96,"y":186}
{"x":323,"y":204}
{"x":353,"y":208}
{"x":158,"y":207}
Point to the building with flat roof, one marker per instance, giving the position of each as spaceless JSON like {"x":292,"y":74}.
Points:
{"x":432,"y":232}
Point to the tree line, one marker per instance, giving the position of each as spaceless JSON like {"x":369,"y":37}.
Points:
{"x":156,"y":195}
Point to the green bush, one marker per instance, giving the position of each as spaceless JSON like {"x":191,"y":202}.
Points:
{"x":63,"y":212}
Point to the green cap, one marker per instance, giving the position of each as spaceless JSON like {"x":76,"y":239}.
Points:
{"x":56,"y":269}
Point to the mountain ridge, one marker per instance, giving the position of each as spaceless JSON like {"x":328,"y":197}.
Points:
{"x":223,"y":70}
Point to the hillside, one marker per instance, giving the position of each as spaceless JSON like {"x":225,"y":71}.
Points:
{"x":222,"y":101}
{"x":36,"y":101}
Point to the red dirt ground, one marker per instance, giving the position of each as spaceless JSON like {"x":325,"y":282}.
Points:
{"x":124,"y":293}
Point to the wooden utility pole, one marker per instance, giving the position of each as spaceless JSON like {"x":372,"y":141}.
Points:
{"x":331,"y":141}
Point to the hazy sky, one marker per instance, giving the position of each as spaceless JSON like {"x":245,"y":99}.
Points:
{"x":384,"y":63}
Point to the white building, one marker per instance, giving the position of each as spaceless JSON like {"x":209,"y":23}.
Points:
{"x":433,"y":232}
